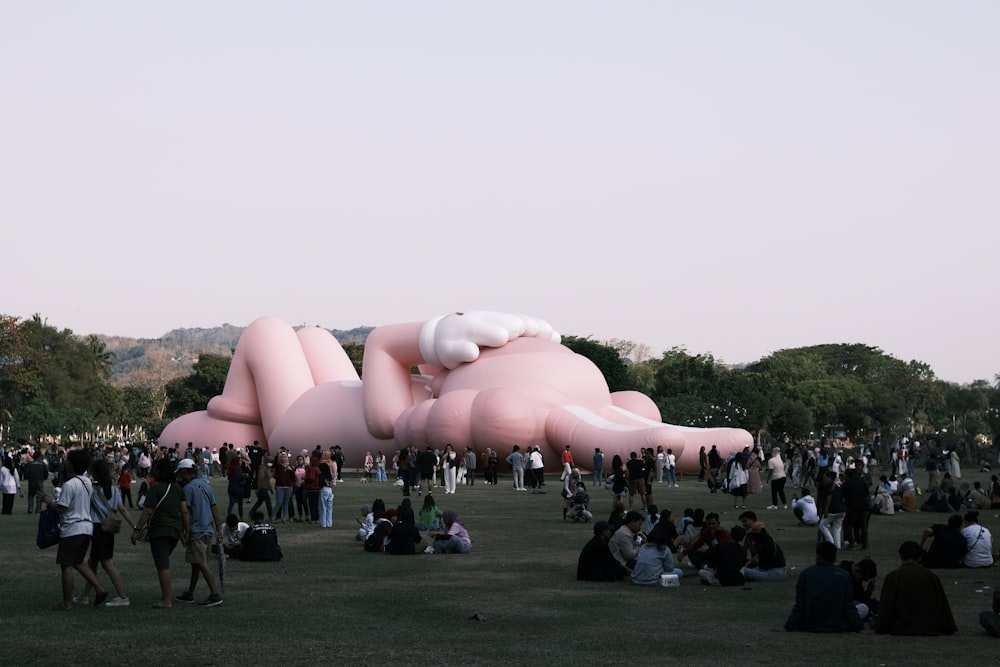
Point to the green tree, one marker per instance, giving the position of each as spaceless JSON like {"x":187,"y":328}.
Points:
{"x":606,"y":358}
{"x":193,"y":392}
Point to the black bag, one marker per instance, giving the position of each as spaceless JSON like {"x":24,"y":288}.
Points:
{"x":48,"y":529}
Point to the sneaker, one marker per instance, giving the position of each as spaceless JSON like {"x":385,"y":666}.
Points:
{"x":429,"y":550}
{"x":186,"y":596}
{"x":772,"y":507}
{"x":785,"y":506}
{"x":81,"y":600}
{"x":213,"y":600}
{"x":117,"y":602}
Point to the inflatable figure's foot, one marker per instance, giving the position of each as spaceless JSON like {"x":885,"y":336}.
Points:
{"x":203,"y":430}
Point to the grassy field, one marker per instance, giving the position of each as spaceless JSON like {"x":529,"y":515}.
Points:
{"x":327,"y":600}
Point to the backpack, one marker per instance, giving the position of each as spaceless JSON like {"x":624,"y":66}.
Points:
{"x":376,"y":541}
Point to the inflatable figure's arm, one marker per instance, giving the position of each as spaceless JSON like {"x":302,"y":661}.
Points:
{"x":441,"y":342}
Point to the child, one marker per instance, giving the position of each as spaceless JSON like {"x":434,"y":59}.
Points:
{"x":125,"y":485}
{"x":430,"y":515}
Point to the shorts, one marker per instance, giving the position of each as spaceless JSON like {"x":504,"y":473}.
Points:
{"x":102,"y":545}
{"x":161,"y":548}
{"x":637,"y":486}
{"x":72,"y":550}
{"x":198,"y":549}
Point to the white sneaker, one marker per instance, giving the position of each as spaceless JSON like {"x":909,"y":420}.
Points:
{"x":429,"y":550}
{"x":117,"y":602}
{"x":786,"y":506}
{"x":772,"y":507}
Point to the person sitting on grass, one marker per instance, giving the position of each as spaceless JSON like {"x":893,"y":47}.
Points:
{"x":979,"y":541}
{"x":596,"y":563}
{"x":625,"y":541}
{"x":656,"y":556}
{"x":724,"y":561}
{"x":233,"y":531}
{"x":824,"y":597}
{"x":948,"y":546}
{"x":579,"y":510}
{"x":990,"y":620}
{"x":863,"y":574}
{"x":430,"y":514}
{"x":913,"y":600}
{"x":804,"y":509}
{"x":617,"y":517}
{"x":455,"y":539}
{"x":405,"y":535}
{"x":767,"y":561}
{"x":711,"y":534}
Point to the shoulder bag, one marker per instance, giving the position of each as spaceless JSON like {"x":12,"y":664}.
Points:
{"x":143,"y":535}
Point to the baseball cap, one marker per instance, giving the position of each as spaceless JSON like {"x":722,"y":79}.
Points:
{"x":185,"y":464}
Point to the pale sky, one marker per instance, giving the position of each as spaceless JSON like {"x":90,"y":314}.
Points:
{"x":731,"y":177}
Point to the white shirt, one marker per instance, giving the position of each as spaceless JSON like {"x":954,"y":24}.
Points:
{"x":980,"y":543}
{"x":777,"y":467}
{"x":75,"y":497}
{"x":671,"y":461}
{"x":808,"y":506}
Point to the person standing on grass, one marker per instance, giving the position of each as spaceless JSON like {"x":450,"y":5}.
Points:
{"x":327,"y":475}
{"x":470,"y":466}
{"x":36,"y":473}
{"x":598,"y":467}
{"x":776,"y":479}
{"x":516,"y":461}
{"x":856,"y":499}
{"x":284,"y":482}
{"x":670,"y":467}
{"x":824,"y":597}
{"x":75,"y":527}
{"x":10,"y":483}
{"x":636,"y":470}
{"x":204,"y":529}
{"x":449,"y":466}
{"x":831,"y":509}
{"x":106,"y":499}
{"x":166,"y":513}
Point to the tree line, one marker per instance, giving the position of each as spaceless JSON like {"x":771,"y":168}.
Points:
{"x":55,"y":383}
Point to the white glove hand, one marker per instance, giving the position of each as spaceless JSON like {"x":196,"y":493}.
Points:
{"x":450,"y":340}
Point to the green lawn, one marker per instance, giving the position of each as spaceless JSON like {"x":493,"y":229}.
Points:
{"x":329,"y":601}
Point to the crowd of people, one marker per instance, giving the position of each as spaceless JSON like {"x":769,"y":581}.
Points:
{"x":638,"y":542}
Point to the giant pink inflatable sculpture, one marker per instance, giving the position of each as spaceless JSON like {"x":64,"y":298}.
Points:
{"x":485,"y":379}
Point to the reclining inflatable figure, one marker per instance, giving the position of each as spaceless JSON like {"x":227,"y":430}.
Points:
{"x":485,"y":379}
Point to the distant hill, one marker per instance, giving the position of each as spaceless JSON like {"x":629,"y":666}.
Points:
{"x":153,"y":362}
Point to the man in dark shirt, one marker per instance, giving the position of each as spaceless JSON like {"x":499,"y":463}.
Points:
{"x":636,"y":479}
{"x":724,"y":561}
{"x":855,"y":493}
{"x":949,"y":545}
{"x":824,"y":597}
{"x":36,"y":473}
{"x":596,"y":562}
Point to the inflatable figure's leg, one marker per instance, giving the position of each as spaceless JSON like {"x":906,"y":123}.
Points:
{"x":615,"y":431}
{"x":271,"y":368}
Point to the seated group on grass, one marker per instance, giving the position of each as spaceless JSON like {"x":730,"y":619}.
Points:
{"x":620,"y":548}
{"x":396,"y":531}
{"x":258,"y":542}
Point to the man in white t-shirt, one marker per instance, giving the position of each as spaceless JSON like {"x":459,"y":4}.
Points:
{"x":979,"y":541}
{"x":805,"y":509}
{"x":75,"y":527}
